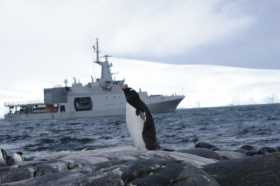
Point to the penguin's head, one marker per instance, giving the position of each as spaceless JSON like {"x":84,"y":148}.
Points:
{"x":132,"y":97}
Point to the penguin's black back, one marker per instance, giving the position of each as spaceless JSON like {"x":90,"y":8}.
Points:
{"x":149,"y":131}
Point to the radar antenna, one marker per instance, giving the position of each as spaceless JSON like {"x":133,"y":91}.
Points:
{"x":106,"y":57}
{"x":96,"y":50}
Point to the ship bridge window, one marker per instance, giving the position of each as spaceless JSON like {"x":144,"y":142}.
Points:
{"x":83,"y":103}
{"x":62,"y":108}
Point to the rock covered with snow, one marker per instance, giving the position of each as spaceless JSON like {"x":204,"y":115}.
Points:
{"x":111,"y":166}
{"x":121,"y":166}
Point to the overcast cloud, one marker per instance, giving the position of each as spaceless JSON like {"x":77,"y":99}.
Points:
{"x":44,"y":41}
{"x":234,"y":33}
{"x":190,"y":31}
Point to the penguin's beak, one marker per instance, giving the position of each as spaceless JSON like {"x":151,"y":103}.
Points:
{"x":124,"y":86}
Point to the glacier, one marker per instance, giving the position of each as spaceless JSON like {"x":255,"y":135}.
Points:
{"x":203,"y":85}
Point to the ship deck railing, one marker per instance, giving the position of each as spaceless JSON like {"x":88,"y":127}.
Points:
{"x":18,"y":104}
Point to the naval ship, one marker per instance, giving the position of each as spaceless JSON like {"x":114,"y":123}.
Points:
{"x":100,"y":97}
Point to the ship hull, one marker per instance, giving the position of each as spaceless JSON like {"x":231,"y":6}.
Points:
{"x":165,"y":106}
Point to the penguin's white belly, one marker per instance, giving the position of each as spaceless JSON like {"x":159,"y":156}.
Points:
{"x":135,"y":125}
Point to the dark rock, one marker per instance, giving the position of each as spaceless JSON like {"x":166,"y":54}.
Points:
{"x":247,"y":148}
{"x":252,"y":153}
{"x":203,"y":152}
{"x":266,"y":150}
{"x":206,"y":146}
{"x":13,"y":174}
{"x":167,"y":149}
{"x":170,"y":172}
{"x":253,"y":171}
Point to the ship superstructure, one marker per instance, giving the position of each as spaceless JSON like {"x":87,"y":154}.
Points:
{"x":102,"y":97}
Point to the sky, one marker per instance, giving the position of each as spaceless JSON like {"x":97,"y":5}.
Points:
{"x":42,"y":42}
{"x":225,"y":32}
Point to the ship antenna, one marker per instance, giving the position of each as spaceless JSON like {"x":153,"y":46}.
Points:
{"x":65,"y":82}
{"x":106,"y":58}
{"x":96,"y":48}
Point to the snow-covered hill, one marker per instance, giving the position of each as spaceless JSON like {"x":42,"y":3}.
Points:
{"x":203,"y":85}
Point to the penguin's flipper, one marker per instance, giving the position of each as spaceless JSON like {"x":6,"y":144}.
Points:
{"x":143,"y":116}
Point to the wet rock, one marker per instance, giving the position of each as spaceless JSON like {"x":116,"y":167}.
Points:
{"x":170,"y":172}
{"x":251,"y":171}
{"x":266,"y":150}
{"x":246,"y":148}
{"x":249,"y":150}
{"x":230,"y":155}
{"x":13,"y":174}
{"x":252,"y":153}
{"x":206,"y":146}
{"x":203,"y":152}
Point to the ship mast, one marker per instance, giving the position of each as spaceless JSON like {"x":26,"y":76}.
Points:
{"x":96,"y":48}
{"x":106,"y":75}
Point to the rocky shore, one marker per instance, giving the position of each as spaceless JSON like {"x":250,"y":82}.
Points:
{"x":204,"y":165}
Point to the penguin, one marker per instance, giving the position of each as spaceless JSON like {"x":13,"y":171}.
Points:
{"x":18,"y":158}
{"x":7,"y":160}
{"x":139,"y":121}
{"x":3,"y":157}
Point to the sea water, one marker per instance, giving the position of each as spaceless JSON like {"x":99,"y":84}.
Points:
{"x":227,"y":127}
